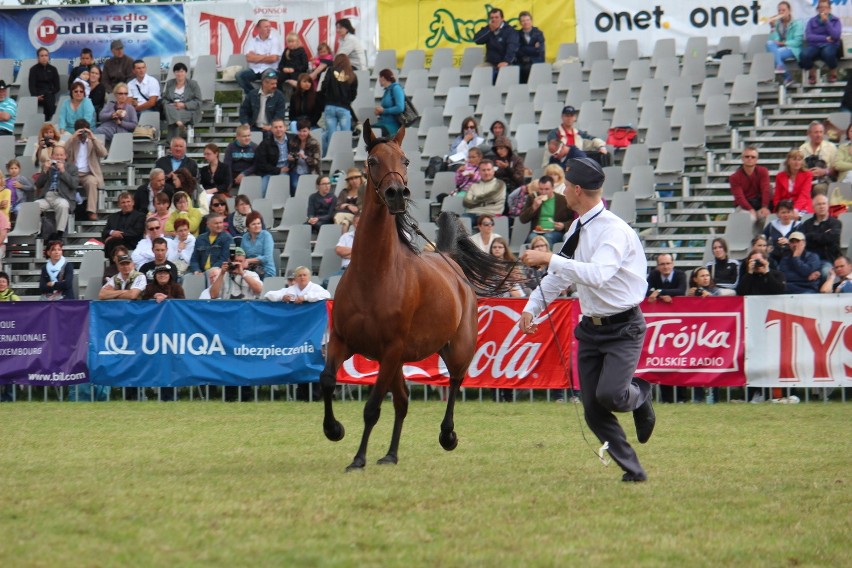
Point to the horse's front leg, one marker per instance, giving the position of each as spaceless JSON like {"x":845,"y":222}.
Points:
{"x":336,"y":355}
{"x":373,"y":408}
{"x":400,"y":407}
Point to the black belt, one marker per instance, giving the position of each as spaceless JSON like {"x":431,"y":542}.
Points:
{"x":616,"y":318}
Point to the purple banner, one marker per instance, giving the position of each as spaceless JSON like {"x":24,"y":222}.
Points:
{"x":44,"y":343}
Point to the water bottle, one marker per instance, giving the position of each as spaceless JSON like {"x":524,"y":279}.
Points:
{"x":217,"y":114}
{"x":131,"y":176}
{"x":190,"y":134}
{"x":161,"y":151}
{"x":710,"y":398}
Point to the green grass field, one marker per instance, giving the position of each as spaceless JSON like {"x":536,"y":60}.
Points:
{"x":208,"y":483}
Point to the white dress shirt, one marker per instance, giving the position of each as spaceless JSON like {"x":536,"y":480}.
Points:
{"x":608,"y":268}
{"x":144,"y":251}
{"x":268,"y":46}
{"x":149,"y":87}
{"x":312,"y":293}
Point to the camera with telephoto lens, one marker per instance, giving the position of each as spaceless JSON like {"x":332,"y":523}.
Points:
{"x":84,"y":136}
{"x":48,"y":141}
{"x":233,"y":265}
{"x":699,"y":291}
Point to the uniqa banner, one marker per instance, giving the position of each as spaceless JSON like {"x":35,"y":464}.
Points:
{"x":504,"y":357}
{"x":194,"y":342}
{"x":799,"y":341}
{"x":44,"y":343}
{"x":694,"y":342}
{"x":222,"y":28}
{"x":145,"y":29}
{"x":430,"y":24}
{"x":615,"y":20}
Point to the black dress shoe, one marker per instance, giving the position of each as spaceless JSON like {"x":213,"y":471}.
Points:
{"x":644,"y":418}
{"x":634,"y":477}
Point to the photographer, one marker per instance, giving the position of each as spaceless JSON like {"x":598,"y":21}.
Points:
{"x":86,"y":151}
{"x":701,"y":284}
{"x":60,"y":183}
{"x":235,"y":280}
{"x":800,"y":266}
{"x":758,"y":279}
{"x":48,"y":137}
{"x":547,"y":212}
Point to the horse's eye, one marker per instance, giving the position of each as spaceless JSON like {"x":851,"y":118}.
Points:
{"x":372,"y":161}
{"x":406,"y":162}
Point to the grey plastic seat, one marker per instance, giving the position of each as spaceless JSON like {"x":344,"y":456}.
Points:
{"x":442,"y":58}
{"x":414,"y":60}
{"x":712,"y":86}
{"x":730,"y":67}
{"x":652,"y":114}
{"x":667,"y":69}
{"x":250,"y":187}
{"x":569,"y":75}
{"x":717,"y":113}
{"x":551,"y":116}
{"x":541,"y":74}
{"x":515,"y":95}
{"x":595,"y":51}
{"x":617,"y":94}
{"x":636,"y":155}
{"x":731,"y":43}
{"x":744,"y":92}
{"x":385,"y":59}
{"x":544,"y":94}
{"x":626,"y":114}
{"x":567,"y":50}
{"x":623,"y":204}
{"x":456,"y":97}
{"x":577,"y":94}
{"x":671,"y":160}
{"x":653,"y":92}
{"x":738,"y":231}
{"x":193,"y":285}
{"x":526,"y":138}
{"x":488,"y":97}
{"x":416,"y":79}
{"x":523,"y":113}
{"x":601,"y":75}
{"x":448,"y":78}
{"x":657,"y":135}
{"x":693,"y":134}
{"x":480,"y":79}
{"x":591,"y":111}
{"x":641,"y":183}
{"x":458,"y":116}
{"x":437,"y":142}
{"x":471,"y":58}
{"x":756,"y":44}
{"x":638,"y":72}
{"x":326,"y":239}
{"x":626,"y":51}
{"x":663,"y":48}
{"x":507,"y":77}
{"x":683,"y":108}
{"x":613,"y":182}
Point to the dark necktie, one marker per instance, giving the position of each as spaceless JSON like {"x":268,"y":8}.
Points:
{"x":573,"y":240}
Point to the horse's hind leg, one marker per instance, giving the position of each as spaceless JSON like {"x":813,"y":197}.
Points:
{"x":400,"y":407}
{"x":448,"y":438}
{"x":328,"y":380}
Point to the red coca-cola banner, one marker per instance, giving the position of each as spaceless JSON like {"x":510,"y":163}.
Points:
{"x":694,"y":342}
{"x":504,"y":357}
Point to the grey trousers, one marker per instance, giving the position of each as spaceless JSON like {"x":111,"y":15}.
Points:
{"x":59,"y":205}
{"x":607,"y":359}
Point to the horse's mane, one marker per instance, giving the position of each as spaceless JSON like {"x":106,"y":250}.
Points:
{"x":489,"y":275}
{"x":406,"y":230}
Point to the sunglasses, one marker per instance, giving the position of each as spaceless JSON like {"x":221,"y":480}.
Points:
{"x":749,"y":157}
{"x":121,"y":93}
{"x":153,"y":228}
{"x":218,"y":204}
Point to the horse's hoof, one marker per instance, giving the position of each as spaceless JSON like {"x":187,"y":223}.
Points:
{"x":334,"y":433}
{"x":448,"y":440}
{"x":354,"y":467}
{"x":388,"y":459}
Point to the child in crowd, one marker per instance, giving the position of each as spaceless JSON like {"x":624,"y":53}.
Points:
{"x":5,"y":212}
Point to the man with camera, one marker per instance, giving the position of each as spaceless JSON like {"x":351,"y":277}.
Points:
{"x":757,"y":278}
{"x":60,"y":183}
{"x":547,"y":212}
{"x":236,"y":281}
{"x":86,"y":152}
{"x":799,"y":266}
{"x":820,"y":155}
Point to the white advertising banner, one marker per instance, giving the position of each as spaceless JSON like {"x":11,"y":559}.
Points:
{"x":614,"y":20}
{"x":799,"y":341}
{"x":222,"y":28}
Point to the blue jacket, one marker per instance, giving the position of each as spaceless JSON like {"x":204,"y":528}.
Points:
{"x":500,"y":46}
{"x":393,"y":103}
{"x":261,"y":248}
{"x":250,"y":107}
{"x":528,"y":53}
{"x":218,"y":251}
{"x":797,"y":269}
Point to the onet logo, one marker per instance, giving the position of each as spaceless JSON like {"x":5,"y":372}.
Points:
{"x":446,"y":27}
{"x":115,"y":343}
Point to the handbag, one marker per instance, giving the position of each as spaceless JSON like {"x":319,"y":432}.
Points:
{"x":620,"y":136}
{"x":144,"y":131}
{"x":409,"y":115}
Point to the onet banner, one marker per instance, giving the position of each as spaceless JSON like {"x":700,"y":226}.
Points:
{"x":193,"y":342}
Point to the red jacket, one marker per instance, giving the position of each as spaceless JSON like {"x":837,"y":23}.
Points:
{"x":747,"y":188}
{"x":801,"y":194}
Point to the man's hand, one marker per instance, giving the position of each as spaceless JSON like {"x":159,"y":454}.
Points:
{"x":813,"y":276}
{"x":159,"y":296}
{"x":526,"y":324}
{"x":536,"y":257}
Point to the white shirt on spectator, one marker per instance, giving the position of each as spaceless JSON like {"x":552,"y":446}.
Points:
{"x":346,"y":240}
{"x":312,"y":293}
{"x":144,"y":252}
{"x":269,"y":46}
{"x":117,"y":282}
{"x":148,"y":87}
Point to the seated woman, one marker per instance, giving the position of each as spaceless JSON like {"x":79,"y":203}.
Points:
{"x":305,"y":103}
{"x":557,"y":174}
{"x":162,"y":287}
{"x":183,"y":210}
{"x":794,"y":183}
{"x":495,"y":131}
{"x":258,"y":245}
{"x":468,"y":138}
{"x":237,"y":221}
{"x":303,"y":154}
{"x":500,"y":249}
{"x":294,"y":62}
{"x":534,"y":274}
{"x":97,"y":91}
{"x":701,"y":284}
{"x":162,"y":207}
{"x":822,"y":38}
{"x":118,"y":115}
{"x":216,"y":177}
{"x":181,"y":102}
{"x":6,"y":293}
{"x":56,"y":281}
{"x":467,"y":174}
{"x":184,"y":245}
{"x":321,"y":206}
{"x":785,"y":39}
{"x":486,"y":235}
{"x":302,"y":290}
{"x":508,"y":166}
{"x":48,"y":137}
{"x":723,"y":269}
{"x":391,"y":105}
{"x":219,"y":205}
{"x":74,"y":108}
{"x":350,"y":199}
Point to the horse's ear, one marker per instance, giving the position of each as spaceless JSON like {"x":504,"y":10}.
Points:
{"x":400,"y":134}
{"x":368,"y":133}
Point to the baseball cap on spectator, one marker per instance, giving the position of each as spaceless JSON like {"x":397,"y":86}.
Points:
{"x":270,"y":74}
{"x":239,"y":252}
{"x":116,"y":44}
{"x":162,"y":268}
{"x":124,"y":258}
{"x":3,"y":84}
{"x":569,"y":110}
{"x":796,"y":236}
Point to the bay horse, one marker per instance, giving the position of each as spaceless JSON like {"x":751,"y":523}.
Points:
{"x":396,"y":304}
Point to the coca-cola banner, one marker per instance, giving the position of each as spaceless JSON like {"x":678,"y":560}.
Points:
{"x":799,"y":341}
{"x":694,"y":342}
{"x":222,"y":28}
{"x":504,"y":357}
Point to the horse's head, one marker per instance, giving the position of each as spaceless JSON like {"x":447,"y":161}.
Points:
{"x":387,"y":169}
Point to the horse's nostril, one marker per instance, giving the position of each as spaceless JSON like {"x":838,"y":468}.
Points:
{"x":406,"y":193}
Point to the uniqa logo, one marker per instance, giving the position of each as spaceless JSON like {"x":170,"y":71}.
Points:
{"x":115,"y":343}
{"x":444,"y":26}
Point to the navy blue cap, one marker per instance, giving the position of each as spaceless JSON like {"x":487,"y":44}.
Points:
{"x":584,"y":172}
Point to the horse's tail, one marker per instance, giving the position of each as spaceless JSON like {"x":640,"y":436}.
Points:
{"x":491,"y":276}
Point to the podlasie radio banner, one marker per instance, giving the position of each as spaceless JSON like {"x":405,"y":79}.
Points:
{"x":155,"y":29}
{"x":44,"y":343}
{"x":192,"y":342}
{"x":504,"y":357}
